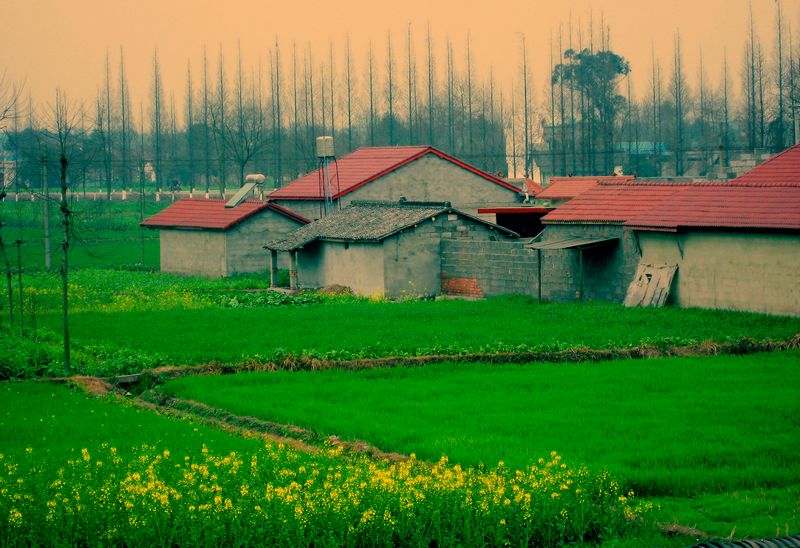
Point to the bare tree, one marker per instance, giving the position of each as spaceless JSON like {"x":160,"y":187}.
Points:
{"x":371,"y":98}
{"x":242,"y":138}
{"x":525,"y":105}
{"x":390,"y":87}
{"x":190,"y":129}
{"x":124,"y":111}
{"x":8,"y":106}
{"x":61,"y":137}
{"x":347,"y":66}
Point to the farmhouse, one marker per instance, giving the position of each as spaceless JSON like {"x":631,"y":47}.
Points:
{"x":736,"y":245}
{"x":205,"y":238}
{"x":417,"y":173}
{"x":379,"y":247}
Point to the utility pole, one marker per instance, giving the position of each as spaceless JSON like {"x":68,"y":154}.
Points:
{"x":46,"y":214}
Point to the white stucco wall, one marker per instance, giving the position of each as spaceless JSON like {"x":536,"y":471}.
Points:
{"x":737,"y":271}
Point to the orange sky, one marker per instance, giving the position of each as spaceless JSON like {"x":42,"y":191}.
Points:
{"x":50,"y":43}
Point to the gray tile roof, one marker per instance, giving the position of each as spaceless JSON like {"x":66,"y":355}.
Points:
{"x":369,"y":221}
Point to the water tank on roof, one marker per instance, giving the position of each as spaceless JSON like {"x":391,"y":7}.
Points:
{"x":325,"y":146}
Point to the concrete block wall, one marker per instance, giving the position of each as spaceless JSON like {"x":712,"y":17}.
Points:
{"x":486,"y":268}
{"x":245,"y":242}
{"x":607,"y":270}
{"x":412,"y":258}
{"x":494,"y":268}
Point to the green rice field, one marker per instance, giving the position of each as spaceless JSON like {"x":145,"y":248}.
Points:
{"x":721,"y":430}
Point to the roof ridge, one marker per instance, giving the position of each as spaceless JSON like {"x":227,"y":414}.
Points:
{"x":402,"y":202}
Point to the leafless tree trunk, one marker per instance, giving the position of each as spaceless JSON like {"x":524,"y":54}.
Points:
{"x":219,"y":119}
{"x":108,"y":139}
{"x":390,"y":88}
{"x":124,"y":108}
{"x":371,"y":99}
{"x":469,"y":100}
{"x":525,"y":105}
{"x":410,"y":77}
{"x":431,"y":139}
{"x":562,"y":112}
{"x":190,"y":123}
{"x":206,"y":120}
{"x":155,"y":127}
{"x":347,"y":64}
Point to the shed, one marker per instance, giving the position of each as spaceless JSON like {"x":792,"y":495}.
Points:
{"x":417,"y":173}
{"x":380,"y":247}
{"x":588,"y":252}
{"x":205,"y":238}
{"x":736,"y":245}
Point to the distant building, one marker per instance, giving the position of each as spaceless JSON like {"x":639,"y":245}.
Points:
{"x":8,"y":173}
{"x":204,"y":238}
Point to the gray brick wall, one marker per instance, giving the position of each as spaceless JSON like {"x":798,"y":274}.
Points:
{"x":498,"y":267}
{"x":486,"y":268}
{"x":607,"y":270}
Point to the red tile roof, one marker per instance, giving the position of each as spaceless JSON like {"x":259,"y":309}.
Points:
{"x":782,"y":168}
{"x":614,"y":203}
{"x":212,"y":214}
{"x":566,"y":188}
{"x":363,"y":166}
{"x":733,"y":205}
{"x":523,"y":184}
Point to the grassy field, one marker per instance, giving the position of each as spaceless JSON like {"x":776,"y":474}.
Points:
{"x":687,"y":430}
{"x":105,"y":233}
{"x":176,"y":320}
{"x":81,"y":471}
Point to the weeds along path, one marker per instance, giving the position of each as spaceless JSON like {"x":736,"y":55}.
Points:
{"x":147,"y":379}
{"x":293,"y":436}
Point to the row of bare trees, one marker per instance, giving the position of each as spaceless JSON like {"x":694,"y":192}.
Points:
{"x":595,"y":120}
{"x":262,"y":117}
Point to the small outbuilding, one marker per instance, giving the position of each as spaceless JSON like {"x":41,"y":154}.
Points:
{"x":380,"y":247}
{"x":417,"y":173}
{"x":732,"y":245}
{"x":587,"y":252}
{"x":205,"y":238}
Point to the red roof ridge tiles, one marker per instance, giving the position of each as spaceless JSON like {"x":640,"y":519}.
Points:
{"x":211,"y":214}
{"x":365,"y":165}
